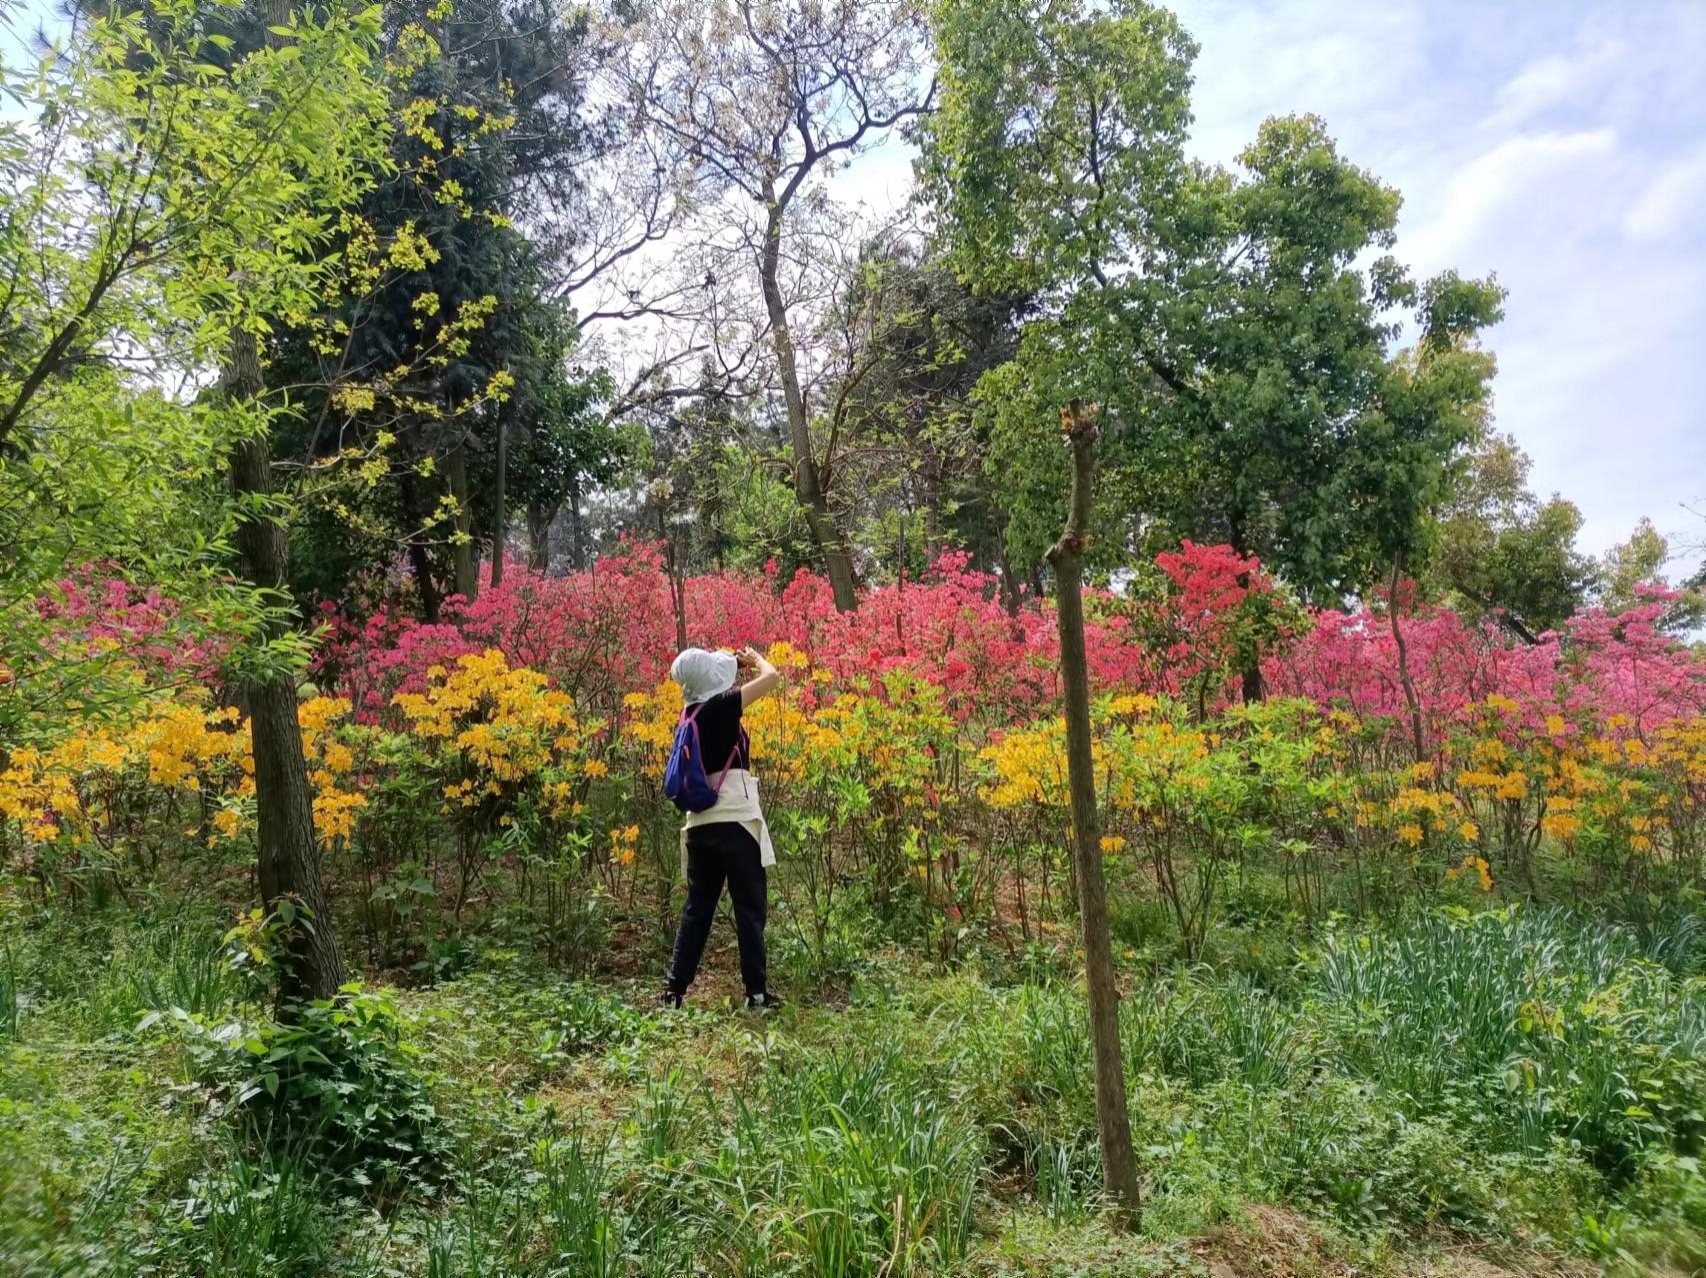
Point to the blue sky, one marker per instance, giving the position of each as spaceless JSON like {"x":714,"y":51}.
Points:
{"x":1561,"y":145}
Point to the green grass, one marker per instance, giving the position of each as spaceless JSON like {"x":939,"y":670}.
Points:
{"x":1519,"y":1080}
{"x":10,"y":1003}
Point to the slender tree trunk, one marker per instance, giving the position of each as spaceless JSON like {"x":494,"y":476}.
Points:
{"x":820,"y":520}
{"x":934,"y":484}
{"x":500,"y":520}
{"x":578,"y":556}
{"x":540,"y":517}
{"x":677,"y":580}
{"x":1417,"y":737}
{"x":420,"y":562}
{"x":901,"y":548}
{"x":289,"y":853}
{"x":1010,"y":587}
{"x":1254,"y":686}
{"x":467,"y":577}
{"x":1113,"y":1120}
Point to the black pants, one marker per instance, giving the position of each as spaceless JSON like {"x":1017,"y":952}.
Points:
{"x":722,"y":852}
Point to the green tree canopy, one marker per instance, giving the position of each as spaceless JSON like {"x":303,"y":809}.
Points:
{"x":1501,"y":551}
{"x":160,"y":194}
{"x":1237,"y":327}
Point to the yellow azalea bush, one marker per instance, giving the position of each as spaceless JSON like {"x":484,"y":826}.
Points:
{"x":101,"y":783}
{"x":502,"y":751}
{"x":494,"y":724}
{"x":872,"y":779}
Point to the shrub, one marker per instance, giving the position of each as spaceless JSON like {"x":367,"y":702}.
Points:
{"x":339,"y":1083}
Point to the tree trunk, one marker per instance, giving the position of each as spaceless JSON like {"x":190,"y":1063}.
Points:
{"x":291,"y":885}
{"x":500,"y":520}
{"x":677,"y":579}
{"x":1113,"y":1121}
{"x":578,"y":555}
{"x":1417,"y":737}
{"x":900,"y":575}
{"x":1011,"y":590}
{"x":820,"y":520}
{"x":1254,"y":686}
{"x":934,"y":485}
{"x":539,"y":520}
{"x":420,"y":561}
{"x":466,"y":573}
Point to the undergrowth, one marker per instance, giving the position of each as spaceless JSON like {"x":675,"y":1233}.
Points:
{"x":1516,"y":1079}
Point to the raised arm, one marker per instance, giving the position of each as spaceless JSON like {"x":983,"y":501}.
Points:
{"x":762,"y":678}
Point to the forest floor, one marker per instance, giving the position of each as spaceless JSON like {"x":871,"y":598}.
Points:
{"x":913,"y":1120}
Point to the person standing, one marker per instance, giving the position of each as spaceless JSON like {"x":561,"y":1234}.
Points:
{"x":728,"y":844}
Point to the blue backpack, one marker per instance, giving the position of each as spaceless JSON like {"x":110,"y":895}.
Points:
{"x":684,"y":781}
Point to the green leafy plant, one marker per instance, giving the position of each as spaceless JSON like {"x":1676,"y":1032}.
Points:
{"x":340,"y":1082}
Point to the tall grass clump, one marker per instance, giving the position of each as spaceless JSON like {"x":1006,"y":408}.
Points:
{"x":261,"y":1216}
{"x":10,"y":996}
{"x":846,"y":1164}
{"x":1529,"y":1025}
{"x":1199,"y":1029}
{"x":579,"y":1232}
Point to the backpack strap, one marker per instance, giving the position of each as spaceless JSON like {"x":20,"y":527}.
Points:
{"x":691,"y":719}
{"x":724,"y":774}
{"x":691,"y":715}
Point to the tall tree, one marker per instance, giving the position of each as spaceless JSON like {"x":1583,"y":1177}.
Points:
{"x":1641,"y":561}
{"x":561,"y":441}
{"x":415,"y":366}
{"x":762,"y":102}
{"x":1430,"y":404}
{"x":1056,"y":149}
{"x":1226,"y":318}
{"x":209,"y":163}
{"x":1066,"y":556}
{"x":157,"y":191}
{"x":910,"y":342}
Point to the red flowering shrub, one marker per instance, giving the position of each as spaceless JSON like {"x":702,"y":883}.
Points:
{"x":610,"y":629}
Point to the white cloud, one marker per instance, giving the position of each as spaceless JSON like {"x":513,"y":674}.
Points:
{"x":1553,"y":81}
{"x":1524,"y":182}
{"x":1559,"y":145}
{"x":1671,"y":201}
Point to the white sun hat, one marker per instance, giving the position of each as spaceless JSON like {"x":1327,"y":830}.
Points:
{"x":702,"y":675}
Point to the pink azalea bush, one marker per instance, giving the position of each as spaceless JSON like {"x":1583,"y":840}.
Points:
{"x":610,"y":629}
{"x":96,"y":613}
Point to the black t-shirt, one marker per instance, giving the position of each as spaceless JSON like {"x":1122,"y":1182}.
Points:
{"x":720,"y":732}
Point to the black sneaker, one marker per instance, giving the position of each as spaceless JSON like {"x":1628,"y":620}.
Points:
{"x":670,"y":1000}
{"x":765,"y":1002}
